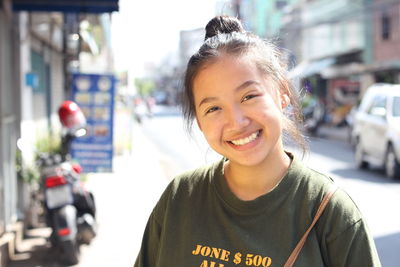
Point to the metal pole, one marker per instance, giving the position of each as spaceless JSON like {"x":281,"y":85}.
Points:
{"x":65,"y":56}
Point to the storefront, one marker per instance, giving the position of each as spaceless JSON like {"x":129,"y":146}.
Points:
{"x":343,"y":94}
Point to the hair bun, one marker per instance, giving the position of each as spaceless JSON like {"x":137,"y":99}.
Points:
{"x":223,"y":24}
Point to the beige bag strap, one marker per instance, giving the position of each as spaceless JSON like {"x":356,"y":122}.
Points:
{"x":292,"y":258}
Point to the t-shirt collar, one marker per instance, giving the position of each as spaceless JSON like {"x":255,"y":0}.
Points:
{"x":269,"y":200}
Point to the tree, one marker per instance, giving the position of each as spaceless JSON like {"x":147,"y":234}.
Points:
{"x":144,"y":86}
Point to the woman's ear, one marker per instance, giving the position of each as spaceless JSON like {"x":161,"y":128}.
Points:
{"x":285,"y":100}
{"x":284,"y":95}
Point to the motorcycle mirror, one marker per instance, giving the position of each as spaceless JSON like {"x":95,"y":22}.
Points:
{"x":81,"y":132}
{"x":22,"y":144}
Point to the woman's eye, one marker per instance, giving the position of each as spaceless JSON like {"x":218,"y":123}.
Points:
{"x":248,"y":97}
{"x":212,"y":109}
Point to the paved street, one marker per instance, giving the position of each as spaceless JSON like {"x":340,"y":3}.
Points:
{"x":161,"y":149}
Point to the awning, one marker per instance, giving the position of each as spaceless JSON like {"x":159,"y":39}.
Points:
{"x":67,"y":6}
{"x":343,"y":70}
{"x":384,"y":66}
{"x":306,"y":69}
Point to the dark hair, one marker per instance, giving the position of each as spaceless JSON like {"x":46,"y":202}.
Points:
{"x":222,"y":24}
{"x":225,"y":35}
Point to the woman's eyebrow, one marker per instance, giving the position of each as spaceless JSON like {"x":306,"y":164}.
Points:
{"x":246,"y":84}
{"x":240,"y":87}
{"x":207,"y":100}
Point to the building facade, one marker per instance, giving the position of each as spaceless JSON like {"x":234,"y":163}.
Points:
{"x":9,"y":128}
{"x":386,"y":41}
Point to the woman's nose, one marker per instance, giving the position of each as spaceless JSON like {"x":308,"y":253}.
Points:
{"x":236,"y":119}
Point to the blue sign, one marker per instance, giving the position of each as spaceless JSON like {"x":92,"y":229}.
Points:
{"x":32,"y":80}
{"x":94,"y":94}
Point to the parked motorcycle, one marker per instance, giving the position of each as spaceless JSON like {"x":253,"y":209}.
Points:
{"x":69,"y":207}
{"x":313,"y":115}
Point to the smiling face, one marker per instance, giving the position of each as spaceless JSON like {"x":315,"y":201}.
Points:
{"x":239,"y":110}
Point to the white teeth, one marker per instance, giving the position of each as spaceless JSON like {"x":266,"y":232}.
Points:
{"x":246,"y":140}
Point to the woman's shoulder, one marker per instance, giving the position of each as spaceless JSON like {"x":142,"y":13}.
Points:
{"x":308,"y":182}
{"x":342,"y":212}
{"x":196,"y":177}
{"x":321,"y":183}
{"x":186,"y":185}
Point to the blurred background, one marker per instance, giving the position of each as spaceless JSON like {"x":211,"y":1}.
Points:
{"x":122,"y":61}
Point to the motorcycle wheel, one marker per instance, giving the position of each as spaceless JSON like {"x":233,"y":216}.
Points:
{"x":69,"y":252}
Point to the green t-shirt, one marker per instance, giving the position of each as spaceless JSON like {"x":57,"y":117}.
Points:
{"x":199,"y":222}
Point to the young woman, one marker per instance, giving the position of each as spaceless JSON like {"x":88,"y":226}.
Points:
{"x":253,"y":206}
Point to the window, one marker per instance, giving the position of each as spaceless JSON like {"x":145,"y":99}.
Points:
{"x":378,"y":106}
{"x":386,"y":26}
{"x":396,"y":106}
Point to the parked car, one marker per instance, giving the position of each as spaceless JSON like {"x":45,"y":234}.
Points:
{"x":376,"y":129}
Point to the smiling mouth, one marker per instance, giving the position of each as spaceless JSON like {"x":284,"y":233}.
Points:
{"x":246,"y":140}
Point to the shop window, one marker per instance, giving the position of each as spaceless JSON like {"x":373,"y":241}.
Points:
{"x":386,"y":77}
{"x":396,"y":106}
{"x":38,"y":67}
{"x":386,"y":26}
{"x":280,"y":4}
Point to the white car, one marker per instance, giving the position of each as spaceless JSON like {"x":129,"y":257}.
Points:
{"x":376,"y":129}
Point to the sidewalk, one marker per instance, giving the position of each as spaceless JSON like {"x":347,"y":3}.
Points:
{"x":125,"y":199}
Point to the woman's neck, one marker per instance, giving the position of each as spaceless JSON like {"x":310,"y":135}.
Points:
{"x":250,"y":182}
